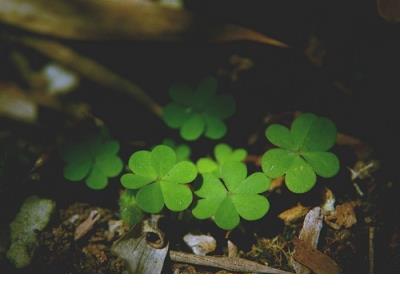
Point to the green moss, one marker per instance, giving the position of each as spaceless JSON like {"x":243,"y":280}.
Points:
{"x":33,"y":217}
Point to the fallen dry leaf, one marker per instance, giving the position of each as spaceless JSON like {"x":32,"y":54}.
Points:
{"x":293,"y":214}
{"x":313,"y":259}
{"x":237,"y":64}
{"x":237,"y":33}
{"x":276,"y":183}
{"x":344,"y":215}
{"x":361,"y":149}
{"x":144,"y":248}
{"x":96,"y":19}
{"x":389,"y":10}
{"x":232,"y":250}
{"x":15,"y":104}
{"x":309,"y":234}
{"x":200,"y":244}
{"x":328,"y":205}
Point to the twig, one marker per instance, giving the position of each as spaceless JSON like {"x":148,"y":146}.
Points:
{"x":371,"y":251}
{"x":231,"y":264}
{"x":86,"y":225}
{"x":89,"y":69}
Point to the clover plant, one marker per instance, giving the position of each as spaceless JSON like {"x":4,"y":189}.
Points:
{"x":182,"y":151}
{"x":94,"y":160}
{"x":130,"y":212}
{"x":199,"y":111}
{"x":161,"y":179}
{"x":232,"y":195}
{"x":223,"y":153}
{"x":302,"y":152}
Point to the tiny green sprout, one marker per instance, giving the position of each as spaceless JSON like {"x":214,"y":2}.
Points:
{"x":94,"y":159}
{"x":232,"y":196}
{"x":223,"y":153}
{"x":161,"y":179}
{"x":302,"y":152}
{"x":130,"y":212}
{"x":199,"y":111}
{"x":182,"y":151}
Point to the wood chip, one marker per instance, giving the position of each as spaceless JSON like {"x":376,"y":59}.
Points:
{"x":315,"y":260}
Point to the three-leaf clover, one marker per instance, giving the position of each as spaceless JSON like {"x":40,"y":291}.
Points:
{"x":94,"y":159}
{"x":182,"y":151}
{"x":232,"y":196}
{"x":199,"y":111}
{"x":129,"y":210}
{"x":223,"y":153}
{"x":302,"y":152}
{"x":161,"y":179}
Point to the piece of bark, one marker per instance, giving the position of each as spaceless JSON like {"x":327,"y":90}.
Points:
{"x":231,"y":264}
{"x":309,"y":234}
{"x":144,"y":248}
{"x":315,"y":260}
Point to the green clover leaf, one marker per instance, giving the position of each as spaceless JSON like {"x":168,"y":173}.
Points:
{"x":94,"y":159}
{"x":130,"y":212}
{"x":182,"y":151}
{"x":302,"y":152}
{"x":161,"y":179}
{"x":199,"y":111}
{"x":233,"y":195}
{"x":223,"y":153}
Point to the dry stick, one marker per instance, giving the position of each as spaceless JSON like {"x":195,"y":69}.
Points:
{"x":371,"y":256}
{"x":90,"y":69}
{"x":231,"y":264}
